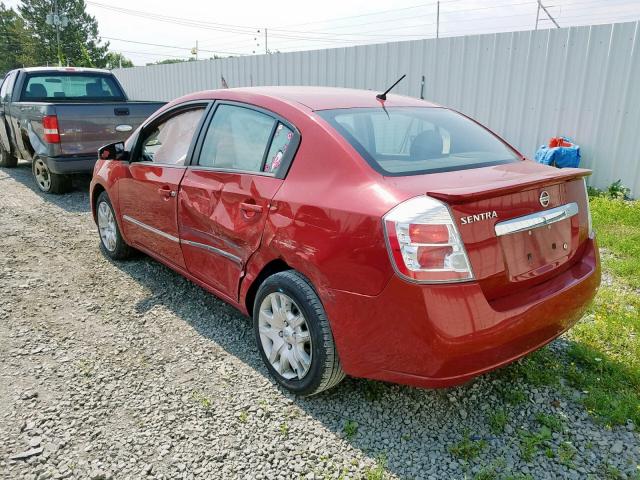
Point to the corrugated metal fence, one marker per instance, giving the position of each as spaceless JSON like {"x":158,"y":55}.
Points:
{"x":582,"y":82}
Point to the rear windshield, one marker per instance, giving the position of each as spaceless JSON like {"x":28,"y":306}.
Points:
{"x":72,"y":87}
{"x":416,"y":140}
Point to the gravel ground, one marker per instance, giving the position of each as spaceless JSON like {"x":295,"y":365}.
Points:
{"x":127,"y":370}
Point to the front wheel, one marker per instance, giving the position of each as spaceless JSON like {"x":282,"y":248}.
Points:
{"x":111,"y":240}
{"x":294,"y":336}
{"x":47,"y":181}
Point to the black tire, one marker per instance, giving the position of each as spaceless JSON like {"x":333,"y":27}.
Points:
{"x":121,"y":250}
{"x":47,"y":181}
{"x":6,"y":159}
{"x":325,"y":370}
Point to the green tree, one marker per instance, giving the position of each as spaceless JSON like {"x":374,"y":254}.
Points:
{"x":171,"y":60}
{"x":16,"y":47}
{"x":117,"y":60}
{"x":80,"y":43}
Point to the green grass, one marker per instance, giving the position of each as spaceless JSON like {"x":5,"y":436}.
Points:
{"x":497,"y":421}
{"x":617,"y":224}
{"x":604,"y":353}
{"x":566,"y":454}
{"x":467,"y":449}
{"x":350,"y":428}
{"x":606,"y":349}
{"x":552,"y":422}
{"x":531,"y":442}
{"x":377,"y":472}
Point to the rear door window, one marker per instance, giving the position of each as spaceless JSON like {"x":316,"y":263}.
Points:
{"x":417,"y":140}
{"x":237,"y":139}
{"x":71,"y":87}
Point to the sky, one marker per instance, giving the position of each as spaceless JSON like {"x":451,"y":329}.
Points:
{"x":151,"y":30}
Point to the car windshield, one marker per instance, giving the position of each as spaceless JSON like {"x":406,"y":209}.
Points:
{"x":71,"y":87}
{"x":415,"y":140}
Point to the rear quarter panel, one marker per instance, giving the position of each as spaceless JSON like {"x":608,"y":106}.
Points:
{"x":325,"y":221}
{"x":26,"y":119}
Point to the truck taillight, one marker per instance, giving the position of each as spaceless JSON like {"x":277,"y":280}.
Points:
{"x":51,"y":132}
{"x":424,"y":243}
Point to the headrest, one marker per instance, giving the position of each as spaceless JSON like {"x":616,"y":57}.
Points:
{"x":427,"y":144}
{"x":36,"y":90}
{"x":94,"y":90}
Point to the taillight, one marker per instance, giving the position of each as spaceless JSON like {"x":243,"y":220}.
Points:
{"x":424,"y":243}
{"x":51,"y":132}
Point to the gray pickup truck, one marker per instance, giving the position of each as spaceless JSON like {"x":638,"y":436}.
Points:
{"x":58,"y":118}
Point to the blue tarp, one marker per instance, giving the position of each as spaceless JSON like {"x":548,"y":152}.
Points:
{"x":561,"y":157}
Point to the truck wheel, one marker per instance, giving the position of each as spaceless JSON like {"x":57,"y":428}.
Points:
{"x":47,"y":181}
{"x":294,"y":336}
{"x":111,"y":241}
{"x":6,"y":159}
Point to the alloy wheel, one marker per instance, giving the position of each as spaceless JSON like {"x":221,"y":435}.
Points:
{"x":107,"y":226}
{"x":285,"y":336}
{"x":42,"y":175}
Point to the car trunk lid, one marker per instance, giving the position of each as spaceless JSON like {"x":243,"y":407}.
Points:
{"x":521,"y":223}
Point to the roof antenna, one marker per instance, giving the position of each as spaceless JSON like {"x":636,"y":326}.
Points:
{"x":383,"y":96}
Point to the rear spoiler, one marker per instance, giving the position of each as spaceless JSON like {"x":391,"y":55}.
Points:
{"x":511,"y":185}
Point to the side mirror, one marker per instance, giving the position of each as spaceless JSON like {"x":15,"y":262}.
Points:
{"x":113,"y":151}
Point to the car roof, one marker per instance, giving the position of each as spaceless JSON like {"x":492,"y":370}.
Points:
{"x":65,"y":70}
{"x":319,"y":98}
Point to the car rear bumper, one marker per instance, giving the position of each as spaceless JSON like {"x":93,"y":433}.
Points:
{"x":443,"y":335}
{"x":69,"y":165}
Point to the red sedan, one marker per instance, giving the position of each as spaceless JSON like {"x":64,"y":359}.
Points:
{"x":389,"y":239}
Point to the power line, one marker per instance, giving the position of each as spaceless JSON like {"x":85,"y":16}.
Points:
{"x":280,"y":36}
{"x":381,"y":12}
{"x":169,"y":46}
{"x":155,"y":54}
{"x":430,"y":14}
{"x":180,"y":21}
{"x":448,"y":22}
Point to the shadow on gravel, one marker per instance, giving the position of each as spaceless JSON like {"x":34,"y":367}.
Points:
{"x":76,"y":201}
{"x":407,"y":427}
{"x":479,"y":430}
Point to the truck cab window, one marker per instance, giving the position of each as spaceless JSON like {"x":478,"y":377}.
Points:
{"x":71,"y":87}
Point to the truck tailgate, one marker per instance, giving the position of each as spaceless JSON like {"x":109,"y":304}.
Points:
{"x":85,"y":127}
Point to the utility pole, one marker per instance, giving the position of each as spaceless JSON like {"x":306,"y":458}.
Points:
{"x":438,"y":21}
{"x":58,"y":33}
{"x":541,"y":6}
{"x":57,"y":20}
{"x":266,"y":50}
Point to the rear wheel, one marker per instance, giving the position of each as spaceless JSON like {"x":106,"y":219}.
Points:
{"x":294,"y":336}
{"x":6,"y":159}
{"x":111,"y":240}
{"x":47,"y":181}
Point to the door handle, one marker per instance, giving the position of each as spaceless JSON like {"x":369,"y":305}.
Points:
{"x":167,"y":192}
{"x":250,"y":209}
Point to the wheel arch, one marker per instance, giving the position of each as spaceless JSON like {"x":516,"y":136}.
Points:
{"x":270,"y":268}
{"x":95,"y":192}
